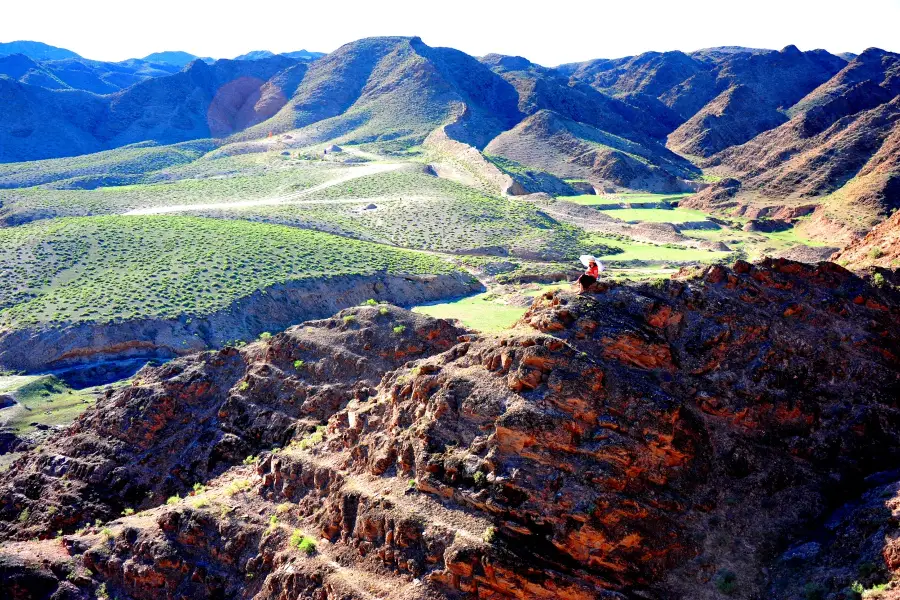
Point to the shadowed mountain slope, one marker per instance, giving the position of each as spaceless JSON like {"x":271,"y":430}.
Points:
{"x":541,"y":88}
{"x":550,"y":142}
{"x":199,"y":102}
{"x":684,"y":84}
{"x":81,"y":74}
{"x":735,"y":116}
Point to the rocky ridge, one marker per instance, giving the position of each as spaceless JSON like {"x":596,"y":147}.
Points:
{"x":601,"y":449}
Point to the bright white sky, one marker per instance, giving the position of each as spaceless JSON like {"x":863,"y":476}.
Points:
{"x":548,"y":33}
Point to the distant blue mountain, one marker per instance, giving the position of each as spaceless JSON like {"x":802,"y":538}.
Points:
{"x":177,"y":58}
{"x":255,"y":55}
{"x":200,"y":101}
{"x":80,"y":73}
{"x":298,"y":54}
{"x":36,"y":50}
{"x":304,"y":54}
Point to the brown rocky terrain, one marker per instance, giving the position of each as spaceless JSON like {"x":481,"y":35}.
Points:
{"x":665,"y":440}
{"x":837,"y":154}
{"x":879,"y":248}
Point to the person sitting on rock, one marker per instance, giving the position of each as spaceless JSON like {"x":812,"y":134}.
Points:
{"x":589,"y":277}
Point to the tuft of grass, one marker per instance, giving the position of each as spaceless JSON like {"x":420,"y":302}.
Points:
{"x":490,"y":535}
{"x":250,"y":460}
{"x":199,"y":488}
{"x":24,"y":515}
{"x":371,"y":302}
{"x":173,"y":500}
{"x":313,"y":438}
{"x":303,"y":543}
{"x":298,"y":364}
{"x":265,"y":336}
{"x":348,"y":319}
{"x":127,"y":512}
{"x":399,"y":329}
{"x":101,"y":591}
{"x":236,"y":486}
{"x":383,"y":311}
{"x":726,"y":581}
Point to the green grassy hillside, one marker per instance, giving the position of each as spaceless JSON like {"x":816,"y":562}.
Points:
{"x":111,"y":268}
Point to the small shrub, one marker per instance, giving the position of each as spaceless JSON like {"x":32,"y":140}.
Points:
{"x":411,"y":484}
{"x":127,"y":512}
{"x":265,"y":336}
{"x":383,"y":311}
{"x":399,"y":329}
{"x":51,"y":510}
{"x":200,"y":502}
{"x":878,"y":280}
{"x":302,"y":543}
{"x":726,"y":582}
{"x":283,"y":508}
{"x":490,"y":535}
{"x":173,"y":500}
{"x":199,"y":488}
{"x":313,"y":438}
{"x":876,"y":253}
{"x":245,"y":385}
{"x":273,"y":521}
{"x":24,"y":515}
{"x":371,"y":302}
{"x":348,"y":319}
{"x":101,"y":592}
{"x":106,"y":533}
{"x":298,"y":364}
{"x":250,"y":460}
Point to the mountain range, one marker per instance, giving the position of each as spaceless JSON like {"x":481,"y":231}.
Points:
{"x":760,"y":132}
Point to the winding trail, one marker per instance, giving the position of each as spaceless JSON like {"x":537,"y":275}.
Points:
{"x":294,"y":198}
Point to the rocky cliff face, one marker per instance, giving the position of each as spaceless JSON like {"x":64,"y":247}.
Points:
{"x":641,"y":441}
